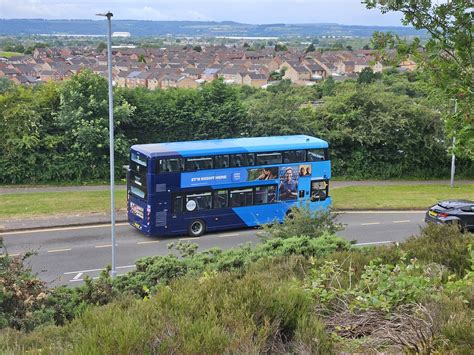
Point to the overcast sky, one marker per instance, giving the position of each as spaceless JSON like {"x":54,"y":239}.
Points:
{"x":349,"y":12}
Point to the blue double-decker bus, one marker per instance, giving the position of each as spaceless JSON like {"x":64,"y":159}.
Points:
{"x":198,"y":186}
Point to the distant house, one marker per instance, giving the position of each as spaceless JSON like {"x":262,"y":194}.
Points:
{"x":317,"y":71}
{"x":229,"y":74}
{"x":255,"y":80}
{"x":131,"y":79}
{"x":345,"y":67}
{"x":407,"y":64}
{"x":121,"y":79}
{"x":24,"y":80}
{"x":193,"y":73}
{"x":296,"y":72}
{"x":210,"y":74}
{"x":177,"y":81}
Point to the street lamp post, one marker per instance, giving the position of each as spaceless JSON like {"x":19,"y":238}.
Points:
{"x":453,"y":156}
{"x":111,"y":138}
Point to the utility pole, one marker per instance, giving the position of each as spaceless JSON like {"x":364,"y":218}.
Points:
{"x":453,"y":157}
{"x":111,"y":139}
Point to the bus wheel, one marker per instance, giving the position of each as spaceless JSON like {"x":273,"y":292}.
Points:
{"x":196,"y":228}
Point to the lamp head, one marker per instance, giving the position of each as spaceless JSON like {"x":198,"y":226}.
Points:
{"x":108,"y":14}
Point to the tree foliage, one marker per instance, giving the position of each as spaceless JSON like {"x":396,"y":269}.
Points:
{"x":448,"y":57}
{"x":59,"y":131}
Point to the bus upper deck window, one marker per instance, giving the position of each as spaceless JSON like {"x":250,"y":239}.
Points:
{"x":316,"y":154}
{"x":221,"y":161}
{"x":138,"y":159}
{"x":202,"y":163}
{"x":269,"y":158}
{"x":245,"y":159}
{"x":294,"y":156}
{"x":172,"y":165}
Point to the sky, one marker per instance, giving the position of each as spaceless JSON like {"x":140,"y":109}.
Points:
{"x":347,"y":12}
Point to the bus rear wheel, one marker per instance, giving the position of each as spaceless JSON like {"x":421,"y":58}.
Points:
{"x":196,"y":228}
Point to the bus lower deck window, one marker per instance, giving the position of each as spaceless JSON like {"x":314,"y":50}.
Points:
{"x":239,"y":198}
{"x":264,"y":194}
{"x":220,"y":199}
{"x":198,"y":201}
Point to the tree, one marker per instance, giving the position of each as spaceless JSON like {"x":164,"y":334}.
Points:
{"x":328,"y":86}
{"x":366,"y":76}
{"x":5,"y":85}
{"x":83,"y":115}
{"x":448,"y":57}
{"x":197,"y":48}
{"x":311,"y":48}
{"x":279,"y":47}
{"x":382,"y":40}
{"x":100,"y":47}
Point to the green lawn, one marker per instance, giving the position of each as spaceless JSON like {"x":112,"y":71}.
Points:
{"x":397,"y":196}
{"x":47,"y":203}
{"x":9,"y":54}
{"x":354,"y":197}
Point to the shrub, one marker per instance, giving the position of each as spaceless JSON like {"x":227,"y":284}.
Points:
{"x":264,"y":310}
{"x":441,"y":244}
{"x":22,"y":295}
{"x":304,"y":222}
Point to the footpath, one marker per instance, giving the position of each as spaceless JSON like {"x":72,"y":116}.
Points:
{"x":86,"y":219}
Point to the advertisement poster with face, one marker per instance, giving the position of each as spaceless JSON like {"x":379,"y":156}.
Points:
{"x":262,"y":174}
{"x":289,"y":182}
{"x":305,"y":170}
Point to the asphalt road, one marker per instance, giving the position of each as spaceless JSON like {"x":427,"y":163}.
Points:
{"x":66,"y":255}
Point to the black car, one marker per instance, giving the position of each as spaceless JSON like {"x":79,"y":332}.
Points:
{"x":452,"y":211}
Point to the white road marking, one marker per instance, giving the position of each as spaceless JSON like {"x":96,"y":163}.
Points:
{"x":369,"y":224}
{"x":193,"y":238}
{"x":105,"y":246}
{"x":403,"y":221}
{"x":372,"y":243}
{"x":94,"y":278}
{"x":59,"y":229}
{"x":92,"y":270}
{"x":58,"y":250}
{"x":228,"y":235}
{"x":78,"y":275}
{"x":149,"y":242}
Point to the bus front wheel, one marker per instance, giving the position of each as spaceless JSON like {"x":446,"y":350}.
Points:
{"x":196,"y":228}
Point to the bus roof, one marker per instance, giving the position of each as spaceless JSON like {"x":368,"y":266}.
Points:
{"x":229,"y":146}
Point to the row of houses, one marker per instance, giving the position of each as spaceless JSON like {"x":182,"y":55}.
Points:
{"x":162,"y":68}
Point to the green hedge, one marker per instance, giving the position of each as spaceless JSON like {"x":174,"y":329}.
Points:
{"x":58,"y":132}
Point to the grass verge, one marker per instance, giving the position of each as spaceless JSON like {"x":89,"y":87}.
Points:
{"x":397,"y":196}
{"x":51,"y":203}
{"x":352,"y":197}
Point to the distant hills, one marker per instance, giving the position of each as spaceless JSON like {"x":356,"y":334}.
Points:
{"x":190,"y":28}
